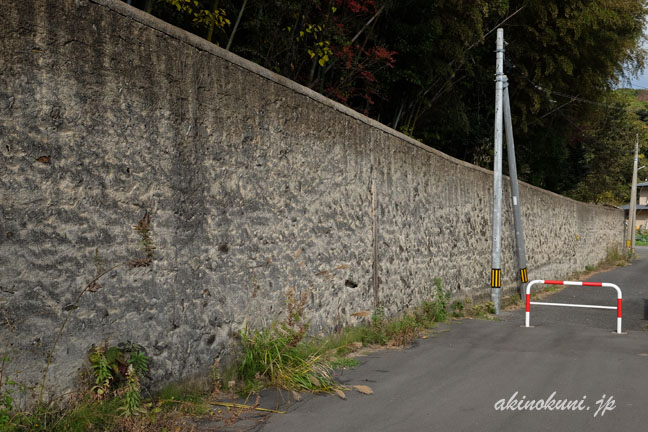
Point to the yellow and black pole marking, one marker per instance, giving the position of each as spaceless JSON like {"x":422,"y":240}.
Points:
{"x":524,"y":275}
{"x":628,"y":243}
{"x":496,"y":278}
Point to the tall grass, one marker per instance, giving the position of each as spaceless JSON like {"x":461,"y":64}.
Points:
{"x":284,"y":356}
{"x":276,"y":356}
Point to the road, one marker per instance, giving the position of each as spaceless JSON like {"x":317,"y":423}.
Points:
{"x":454,"y":380}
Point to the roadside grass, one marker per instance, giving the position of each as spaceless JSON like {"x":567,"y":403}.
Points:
{"x":344,"y":363}
{"x":284,"y":355}
{"x":88,"y":413}
{"x":614,"y":258}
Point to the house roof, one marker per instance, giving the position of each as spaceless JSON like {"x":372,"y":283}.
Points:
{"x":644,"y":184}
{"x":639,"y":207}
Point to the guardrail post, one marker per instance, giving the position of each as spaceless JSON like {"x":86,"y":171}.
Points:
{"x":619,"y":310}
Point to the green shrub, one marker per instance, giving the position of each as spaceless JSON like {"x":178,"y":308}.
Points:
{"x":457,"y":309}
{"x":483,"y":310}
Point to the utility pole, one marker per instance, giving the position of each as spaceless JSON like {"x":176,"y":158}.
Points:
{"x":496,"y":261}
{"x":515,"y":192}
{"x":632,"y":213}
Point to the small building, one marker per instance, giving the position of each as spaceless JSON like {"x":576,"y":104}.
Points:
{"x":642,"y":206}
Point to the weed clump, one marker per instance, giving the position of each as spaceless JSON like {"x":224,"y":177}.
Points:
{"x":641,"y":237}
{"x":483,"y":310}
{"x":119,"y":368}
{"x":274,"y":357}
{"x":281,"y":356}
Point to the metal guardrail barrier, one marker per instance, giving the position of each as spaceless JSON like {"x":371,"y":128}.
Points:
{"x":593,"y":284}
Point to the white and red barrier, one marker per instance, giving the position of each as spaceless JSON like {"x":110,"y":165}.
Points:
{"x":593,"y":284}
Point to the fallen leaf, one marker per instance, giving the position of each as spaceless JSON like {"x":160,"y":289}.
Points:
{"x":299,"y":251}
{"x":296,"y":396}
{"x":44,"y":159}
{"x":361,"y":314}
{"x":315,"y":381}
{"x":340,"y":393}
{"x":363,"y":389}
{"x":94,"y":286}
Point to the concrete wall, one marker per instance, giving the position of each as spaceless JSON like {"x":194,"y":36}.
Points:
{"x":254,"y":186}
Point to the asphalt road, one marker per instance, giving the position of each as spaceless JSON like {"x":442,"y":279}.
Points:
{"x":454,"y":380}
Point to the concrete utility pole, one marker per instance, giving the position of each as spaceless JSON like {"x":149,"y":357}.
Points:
{"x":632,"y":213}
{"x":515,"y":192}
{"x":496,"y":263}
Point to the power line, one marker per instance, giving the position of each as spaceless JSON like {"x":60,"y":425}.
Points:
{"x":560,"y":94}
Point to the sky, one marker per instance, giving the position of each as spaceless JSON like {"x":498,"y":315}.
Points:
{"x":641,"y":82}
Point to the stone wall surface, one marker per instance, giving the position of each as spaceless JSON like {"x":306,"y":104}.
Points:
{"x":254,"y":186}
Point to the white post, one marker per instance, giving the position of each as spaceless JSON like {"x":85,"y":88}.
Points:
{"x":496,"y":266}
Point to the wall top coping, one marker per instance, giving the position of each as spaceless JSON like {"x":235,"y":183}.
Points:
{"x":197,"y":42}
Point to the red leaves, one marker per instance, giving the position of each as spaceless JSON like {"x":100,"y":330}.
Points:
{"x":358,"y":84}
{"x":357,"y":6}
{"x":382,"y":53}
{"x":368,"y":76}
{"x":377,"y":56}
{"x":352,"y":77}
{"x":345,"y":54}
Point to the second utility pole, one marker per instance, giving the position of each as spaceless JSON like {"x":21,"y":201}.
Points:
{"x":632,"y":212}
{"x":515,"y":191}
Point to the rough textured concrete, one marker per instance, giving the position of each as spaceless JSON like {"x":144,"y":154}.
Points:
{"x":254,"y":186}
